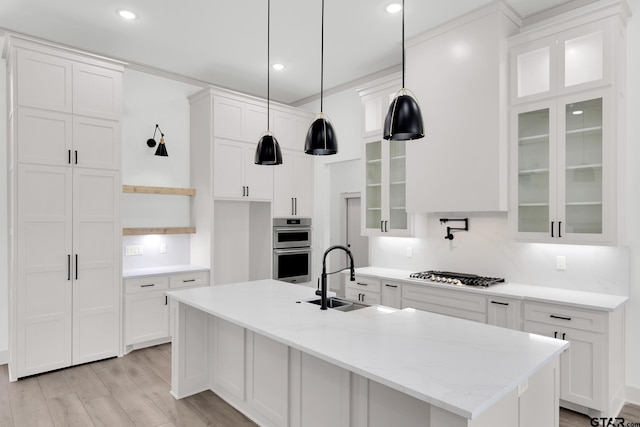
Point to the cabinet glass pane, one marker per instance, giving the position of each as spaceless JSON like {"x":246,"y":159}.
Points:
{"x":583,"y":139}
{"x":374,"y":184}
{"x":583,"y":59}
{"x":534,"y":72}
{"x":533,"y":171}
{"x":397,"y":181}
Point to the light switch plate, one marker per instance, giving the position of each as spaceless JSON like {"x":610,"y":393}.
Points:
{"x":163,"y":248}
{"x":561,"y":262}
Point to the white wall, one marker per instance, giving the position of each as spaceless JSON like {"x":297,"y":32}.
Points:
{"x":149,"y":99}
{"x":4,"y":279}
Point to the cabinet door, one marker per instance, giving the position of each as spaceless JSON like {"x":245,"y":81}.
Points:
{"x":504,"y":312}
{"x":255,"y":122}
{"x":258,"y":178}
{"x":373,"y":219}
{"x":586,"y":153}
{"x":283,"y":184}
{"x":228,"y":179}
{"x":97,"y":272}
{"x":365,"y":296}
{"x":398,"y":219}
{"x":533,"y":172}
{"x":96,"y":143}
{"x":285,"y":131}
{"x":533,"y":70}
{"x":581,"y":379}
{"x":228,"y":118}
{"x":44,"y":281}
{"x":44,"y":81}
{"x":97,"y":91}
{"x":147,"y":317}
{"x":391,"y":294}
{"x":303,"y":184}
{"x":45,"y":137}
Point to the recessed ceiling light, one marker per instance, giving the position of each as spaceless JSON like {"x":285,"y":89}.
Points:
{"x":278,"y":67}
{"x":127,"y":14}
{"x":394,"y":8}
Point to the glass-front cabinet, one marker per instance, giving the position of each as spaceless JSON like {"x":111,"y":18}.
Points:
{"x":563,"y":156}
{"x":385,"y":189}
{"x":567,"y":62}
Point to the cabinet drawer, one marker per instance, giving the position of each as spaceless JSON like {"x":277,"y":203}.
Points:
{"x":200,"y":278}
{"x":445,"y":297}
{"x":364,"y":283}
{"x":565,"y":317}
{"x":146,"y":284}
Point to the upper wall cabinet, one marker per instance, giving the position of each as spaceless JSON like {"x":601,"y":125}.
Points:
{"x":384,"y":195}
{"x":569,"y":61}
{"x":458,"y":75}
{"x":567,"y":129}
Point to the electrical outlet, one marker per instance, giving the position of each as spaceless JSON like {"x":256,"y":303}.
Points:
{"x":561,"y":262}
{"x":163,"y":248}
{"x":522,"y":387}
{"x":133,"y":250}
{"x":409,"y":252}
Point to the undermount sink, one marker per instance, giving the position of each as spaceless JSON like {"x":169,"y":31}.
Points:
{"x":340,"y":304}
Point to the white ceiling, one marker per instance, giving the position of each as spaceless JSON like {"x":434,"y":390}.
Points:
{"x":224,"y":42}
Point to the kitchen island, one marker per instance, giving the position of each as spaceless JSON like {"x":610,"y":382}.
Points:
{"x":283,"y":361}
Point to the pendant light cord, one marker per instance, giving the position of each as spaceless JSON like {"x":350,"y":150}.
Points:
{"x":322,"y":56}
{"x":268,"y":56}
{"x":403,"y":44}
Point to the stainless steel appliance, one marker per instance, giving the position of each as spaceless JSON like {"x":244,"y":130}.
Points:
{"x":461,"y":279}
{"x":292,"y":249}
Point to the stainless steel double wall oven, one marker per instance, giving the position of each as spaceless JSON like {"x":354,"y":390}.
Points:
{"x":292,"y":249}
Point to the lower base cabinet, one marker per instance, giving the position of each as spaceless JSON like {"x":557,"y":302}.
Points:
{"x":147,"y":319}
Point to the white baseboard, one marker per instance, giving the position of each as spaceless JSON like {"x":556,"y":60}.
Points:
{"x":633,"y":395}
{"x":4,"y":357}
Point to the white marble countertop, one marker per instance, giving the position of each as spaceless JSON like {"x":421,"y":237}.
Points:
{"x":579,"y":299}
{"x":461,"y":366}
{"x":156,"y":271}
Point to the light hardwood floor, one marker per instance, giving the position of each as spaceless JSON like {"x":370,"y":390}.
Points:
{"x":134,"y":391}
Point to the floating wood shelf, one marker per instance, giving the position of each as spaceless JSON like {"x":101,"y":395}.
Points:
{"x":140,"y":189}
{"x":157,"y":230}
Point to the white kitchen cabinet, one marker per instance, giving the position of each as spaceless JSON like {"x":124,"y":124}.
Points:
{"x":592,"y":374}
{"x":461,"y":165}
{"x":445,"y":301}
{"x":564,"y":170}
{"x":293,"y":185}
{"x":568,"y":61}
{"x":290,"y":129}
{"x":237,"y":120}
{"x":504,"y":312}
{"x":236,"y":176}
{"x":364,"y":289}
{"x":384,"y":194}
{"x":391,"y":294}
{"x":64,"y":194}
{"x":147,"y":319}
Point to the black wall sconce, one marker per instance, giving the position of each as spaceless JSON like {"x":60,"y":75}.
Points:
{"x":151,"y":142}
{"x":449,"y":235}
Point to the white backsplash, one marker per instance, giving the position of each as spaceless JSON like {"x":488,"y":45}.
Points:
{"x":488,"y":250}
{"x":177,"y":251}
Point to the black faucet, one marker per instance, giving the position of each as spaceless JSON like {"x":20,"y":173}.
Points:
{"x":323,"y":286}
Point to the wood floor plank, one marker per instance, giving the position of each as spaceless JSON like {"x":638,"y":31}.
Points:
{"x":106,"y":412}
{"x":217,"y":411}
{"x":180,"y":412}
{"x":156,"y":359}
{"x":85,"y":382}
{"x":631,"y":413}
{"x":5,"y":402}
{"x":35,"y":418}
{"x":55,"y":384}
{"x":7,"y":423}
{"x":26,"y":396}
{"x":132,"y":399}
{"x":68,"y":411}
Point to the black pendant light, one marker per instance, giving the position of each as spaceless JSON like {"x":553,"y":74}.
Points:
{"x":321,"y":138}
{"x":404,"y":119}
{"x":268,"y":150}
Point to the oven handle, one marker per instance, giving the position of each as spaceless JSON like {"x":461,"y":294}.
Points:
{"x":280,"y":229}
{"x":291,"y":251}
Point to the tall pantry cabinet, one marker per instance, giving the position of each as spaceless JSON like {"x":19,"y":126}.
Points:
{"x":64,"y":206}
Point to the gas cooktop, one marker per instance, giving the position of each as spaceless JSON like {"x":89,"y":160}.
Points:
{"x":456,"y":278}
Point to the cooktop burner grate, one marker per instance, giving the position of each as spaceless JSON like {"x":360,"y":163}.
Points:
{"x":456,"y":278}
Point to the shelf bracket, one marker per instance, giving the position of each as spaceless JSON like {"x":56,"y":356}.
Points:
{"x":449,"y":235}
